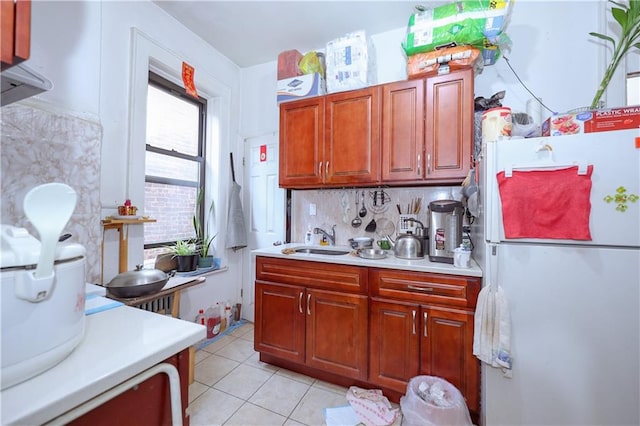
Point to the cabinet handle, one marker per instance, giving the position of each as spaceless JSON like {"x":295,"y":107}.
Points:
{"x":424,"y":320}
{"x":424,"y":289}
{"x":300,"y":302}
{"x":326,"y":169}
{"x":308,"y":304}
{"x":419,"y":165}
{"x":320,"y":168}
{"x":413,"y":314}
{"x":428,"y":164}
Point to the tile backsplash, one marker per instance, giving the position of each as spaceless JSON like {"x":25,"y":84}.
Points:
{"x":41,"y":146}
{"x":338,"y":207}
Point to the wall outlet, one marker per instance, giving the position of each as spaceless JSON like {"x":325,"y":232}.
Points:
{"x":312,"y":209}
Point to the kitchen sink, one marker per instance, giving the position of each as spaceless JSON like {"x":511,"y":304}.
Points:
{"x":316,"y":250}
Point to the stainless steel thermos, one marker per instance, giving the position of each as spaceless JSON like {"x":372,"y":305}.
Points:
{"x":445,"y":229}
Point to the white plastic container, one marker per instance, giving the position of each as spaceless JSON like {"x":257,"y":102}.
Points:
{"x":36,"y":335}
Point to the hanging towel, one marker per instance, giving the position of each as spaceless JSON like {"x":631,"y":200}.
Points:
{"x":492,"y":329}
{"x":551,"y":204}
{"x":236,"y":231}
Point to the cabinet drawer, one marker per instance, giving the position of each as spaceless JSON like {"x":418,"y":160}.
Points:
{"x":425,"y":287}
{"x":312,"y":274}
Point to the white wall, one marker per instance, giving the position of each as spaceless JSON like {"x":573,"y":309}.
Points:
{"x":85,"y":48}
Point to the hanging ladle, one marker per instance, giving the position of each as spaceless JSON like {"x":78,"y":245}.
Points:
{"x":363,"y":209}
{"x":356,"y":222}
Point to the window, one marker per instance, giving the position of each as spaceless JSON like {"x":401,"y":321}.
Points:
{"x":174,"y":163}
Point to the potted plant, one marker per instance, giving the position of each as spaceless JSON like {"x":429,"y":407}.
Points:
{"x":203,"y":237}
{"x":186,"y":253}
{"x":628,"y":18}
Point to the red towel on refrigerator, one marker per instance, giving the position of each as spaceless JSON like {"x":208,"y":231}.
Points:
{"x":549,"y":204}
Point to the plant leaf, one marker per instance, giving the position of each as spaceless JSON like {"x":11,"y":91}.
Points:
{"x":620,"y":15}
{"x":636,"y":45}
{"x":604,"y":37}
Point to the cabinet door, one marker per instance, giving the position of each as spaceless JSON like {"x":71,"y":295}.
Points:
{"x":352,"y":137}
{"x":279,"y":320}
{"x":449,"y":126}
{"x":301,"y":143}
{"x":446,"y":350}
{"x":16,"y":32}
{"x":337,"y":332}
{"x":403,"y":131}
{"x":394,"y":343}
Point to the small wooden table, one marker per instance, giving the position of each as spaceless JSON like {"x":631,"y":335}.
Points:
{"x":118,"y":224}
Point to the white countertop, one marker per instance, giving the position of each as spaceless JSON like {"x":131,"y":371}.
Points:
{"x":390,"y":262}
{"x":118,"y":344}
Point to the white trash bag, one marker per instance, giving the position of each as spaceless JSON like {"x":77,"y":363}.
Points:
{"x":433,"y":401}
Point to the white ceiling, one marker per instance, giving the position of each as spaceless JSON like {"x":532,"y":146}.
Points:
{"x":255,"y":32}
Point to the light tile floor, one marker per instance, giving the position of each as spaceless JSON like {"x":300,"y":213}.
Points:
{"x":233,"y":387}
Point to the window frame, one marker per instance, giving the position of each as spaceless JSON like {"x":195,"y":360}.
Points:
{"x":170,"y":87}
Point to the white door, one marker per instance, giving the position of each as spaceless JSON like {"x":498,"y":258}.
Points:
{"x":264,"y":204}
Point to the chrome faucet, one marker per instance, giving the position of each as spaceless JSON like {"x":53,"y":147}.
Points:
{"x":331,"y":237}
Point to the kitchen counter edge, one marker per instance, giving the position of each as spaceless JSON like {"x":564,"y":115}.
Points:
{"x":117,"y":344}
{"x":390,"y":262}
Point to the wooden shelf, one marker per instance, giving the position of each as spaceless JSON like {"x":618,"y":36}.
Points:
{"x":118,"y":224}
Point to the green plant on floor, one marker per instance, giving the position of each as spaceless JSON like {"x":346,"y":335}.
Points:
{"x":203,"y":237}
{"x":628,"y":17}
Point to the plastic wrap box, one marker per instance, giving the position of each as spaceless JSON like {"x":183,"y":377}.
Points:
{"x":299,"y":87}
{"x":350,"y":64}
{"x":600,"y":120}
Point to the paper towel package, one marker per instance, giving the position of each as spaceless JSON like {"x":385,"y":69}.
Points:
{"x":350,"y":63}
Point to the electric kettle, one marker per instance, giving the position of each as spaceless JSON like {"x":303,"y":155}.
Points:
{"x":445,"y":229}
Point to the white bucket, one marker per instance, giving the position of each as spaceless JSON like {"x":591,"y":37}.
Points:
{"x":496,"y":123}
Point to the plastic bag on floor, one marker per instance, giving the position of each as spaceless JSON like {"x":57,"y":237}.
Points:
{"x":371,"y":406}
{"x":433,"y":401}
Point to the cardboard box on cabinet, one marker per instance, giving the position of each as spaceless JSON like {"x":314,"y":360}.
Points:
{"x":300,"y":87}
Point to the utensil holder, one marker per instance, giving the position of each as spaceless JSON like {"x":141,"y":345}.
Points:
{"x":407,"y":223}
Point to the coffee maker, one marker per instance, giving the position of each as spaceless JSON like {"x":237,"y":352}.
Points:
{"x":445,"y":229}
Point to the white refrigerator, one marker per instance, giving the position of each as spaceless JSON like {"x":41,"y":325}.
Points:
{"x":569,"y":265}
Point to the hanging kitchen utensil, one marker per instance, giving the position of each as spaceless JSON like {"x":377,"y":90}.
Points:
{"x":363,"y":209}
{"x":236,"y":230}
{"x":344,"y":202}
{"x":371,"y":226}
{"x":356,"y":222}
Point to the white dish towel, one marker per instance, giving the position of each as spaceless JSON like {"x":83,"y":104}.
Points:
{"x":492,"y":329}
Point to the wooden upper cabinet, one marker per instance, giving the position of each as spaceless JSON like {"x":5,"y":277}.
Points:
{"x":449,"y":126}
{"x":301,"y":143}
{"x":412,"y":132}
{"x":15,"y":18}
{"x":352,"y":137}
{"x":403,"y":131}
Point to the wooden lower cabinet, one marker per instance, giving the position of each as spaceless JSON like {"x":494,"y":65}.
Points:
{"x":409,"y":339}
{"x":145,"y":404}
{"x":370,"y":327}
{"x":315,"y":327}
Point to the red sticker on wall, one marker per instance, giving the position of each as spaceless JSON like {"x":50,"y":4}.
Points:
{"x":187,"y":78}
{"x":263,"y":153}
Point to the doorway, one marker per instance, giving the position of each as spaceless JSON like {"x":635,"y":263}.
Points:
{"x":265,"y":208}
